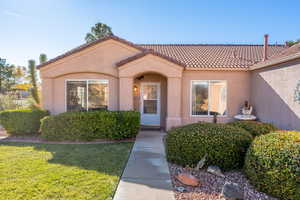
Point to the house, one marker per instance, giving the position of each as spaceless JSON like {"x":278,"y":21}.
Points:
{"x":170,"y":84}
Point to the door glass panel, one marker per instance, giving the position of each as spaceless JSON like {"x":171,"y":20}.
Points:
{"x":150,"y":92}
{"x":150,"y":106}
{"x":150,"y":98}
{"x":76,"y":95}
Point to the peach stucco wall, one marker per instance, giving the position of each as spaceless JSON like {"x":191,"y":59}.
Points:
{"x":273,"y":95}
{"x":97,"y":62}
{"x":238,"y":90}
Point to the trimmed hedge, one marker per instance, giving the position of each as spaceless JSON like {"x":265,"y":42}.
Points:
{"x":91,"y":125}
{"x":254,"y":127}
{"x":22,"y":121}
{"x":224,"y":145}
{"x":273,"y":164}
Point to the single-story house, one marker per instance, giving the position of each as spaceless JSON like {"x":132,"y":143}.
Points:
{"x":172,"y":84}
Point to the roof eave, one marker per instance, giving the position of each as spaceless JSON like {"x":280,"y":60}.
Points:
{"x":147,"y":52}
{"x":275,"y":61}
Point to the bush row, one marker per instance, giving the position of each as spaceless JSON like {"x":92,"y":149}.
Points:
{"x":22,"y":121}
{"x":91,"y":125}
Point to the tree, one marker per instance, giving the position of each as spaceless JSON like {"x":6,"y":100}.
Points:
{"x":292,"y":42}
{"x":43,"y":58}
{"x":18,"y":74}
{"x":97,"y":32}
{"x":6,"y":73}
{"x":33,"y":80}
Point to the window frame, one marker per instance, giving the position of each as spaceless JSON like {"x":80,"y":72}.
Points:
{"x":87,"y":92}
{"x":208,"y":115}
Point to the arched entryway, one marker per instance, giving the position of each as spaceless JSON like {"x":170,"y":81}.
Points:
{"x":151,"y":68}
{"x":150,"y":98}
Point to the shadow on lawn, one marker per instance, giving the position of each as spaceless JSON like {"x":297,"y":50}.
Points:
{"x":105,"y":158}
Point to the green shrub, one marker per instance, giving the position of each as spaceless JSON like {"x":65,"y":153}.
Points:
{"x":254,"y":127}
{"x":22,"y":121}
{"x":273,"y":164}
{"x":224,"y":145}
{"x":91,"y":125}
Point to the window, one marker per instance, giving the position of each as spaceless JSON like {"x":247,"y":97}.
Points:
{"x":86,"y":95}
{"x":208,"y":98}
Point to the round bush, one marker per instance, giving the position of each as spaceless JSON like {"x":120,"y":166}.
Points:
{"x":224,"y":145}
{"x":273,"y":164}
{"x":254,"y":127}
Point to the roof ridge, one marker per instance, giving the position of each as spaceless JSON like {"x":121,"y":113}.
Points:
{"x":280,"y":45}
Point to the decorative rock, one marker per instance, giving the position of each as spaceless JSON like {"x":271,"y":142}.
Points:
{"x":232,"y":191}
{"x":180,"y":189}
{"x":201,"y":163}
{"x":215,"y":170}
{"x":188,"y":179}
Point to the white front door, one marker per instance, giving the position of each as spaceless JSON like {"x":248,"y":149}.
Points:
{"x":150,"y":104}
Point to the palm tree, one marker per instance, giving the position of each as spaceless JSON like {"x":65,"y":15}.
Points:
{"x":33,"y":80}
{"x":97,"y":32}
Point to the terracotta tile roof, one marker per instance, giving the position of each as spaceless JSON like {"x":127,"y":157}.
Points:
{"x":284,"y":56}
{"x":215,"y":56}
{"x":146,"y":52}
{"x":195,"y":56}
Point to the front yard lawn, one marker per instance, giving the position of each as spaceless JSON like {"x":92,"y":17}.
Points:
{"x":61,"y":171}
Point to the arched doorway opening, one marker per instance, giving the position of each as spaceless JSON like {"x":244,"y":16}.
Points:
{"x":150,"y":98}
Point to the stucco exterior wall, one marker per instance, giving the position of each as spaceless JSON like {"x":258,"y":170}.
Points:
{"x":97,"y":62}
{"x":272,"y":95}
{"x":238,"y":90}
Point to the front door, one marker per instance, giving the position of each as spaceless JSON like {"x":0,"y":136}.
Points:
{"x":150,"y":104}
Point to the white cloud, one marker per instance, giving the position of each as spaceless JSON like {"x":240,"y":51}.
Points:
{"x":12,"y":13}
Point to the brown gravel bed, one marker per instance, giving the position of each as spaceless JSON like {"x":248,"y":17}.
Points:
{"x":211,"y":185}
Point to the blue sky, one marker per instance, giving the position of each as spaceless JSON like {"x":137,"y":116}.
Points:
{"x":31,"y":27}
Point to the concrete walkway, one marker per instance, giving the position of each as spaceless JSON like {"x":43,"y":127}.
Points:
{"x":146,"y":176}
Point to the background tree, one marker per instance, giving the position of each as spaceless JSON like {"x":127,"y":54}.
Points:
{"x":43,"y":58}
{"x":292,"y":42}
{"x":33,"y":80}
{"x":18,"y":74}
{"x":6,"y":74}
{"x":97,"y":32}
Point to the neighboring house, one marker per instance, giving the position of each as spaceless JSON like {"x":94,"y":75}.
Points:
{"x":170,"y":84}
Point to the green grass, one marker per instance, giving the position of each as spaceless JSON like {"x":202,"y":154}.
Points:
{"x":57,"y":171}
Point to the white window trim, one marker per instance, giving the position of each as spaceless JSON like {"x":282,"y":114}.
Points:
{"x":208,"y":115}
{"x":87,"y":92}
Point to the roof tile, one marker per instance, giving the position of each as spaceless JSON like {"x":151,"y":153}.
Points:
{"x":215,"y":56}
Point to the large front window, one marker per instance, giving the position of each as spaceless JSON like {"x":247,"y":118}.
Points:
{"x":86,"y":95}
{"x":208,"y":98}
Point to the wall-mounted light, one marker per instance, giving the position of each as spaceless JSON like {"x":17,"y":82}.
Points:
{"x":135,"y":88}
